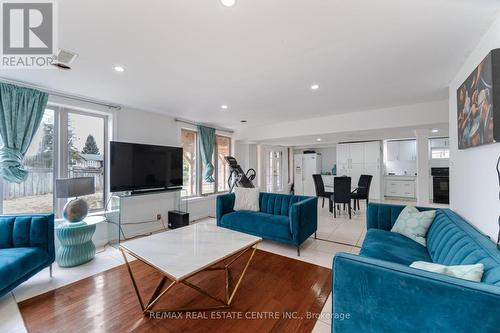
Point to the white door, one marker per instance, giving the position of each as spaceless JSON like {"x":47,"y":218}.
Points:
{"x":274,"y":174}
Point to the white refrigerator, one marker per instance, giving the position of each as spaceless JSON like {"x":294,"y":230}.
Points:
{"x":306,"y":165}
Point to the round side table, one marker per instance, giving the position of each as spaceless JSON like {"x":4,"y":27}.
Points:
{"x":76,"y":241}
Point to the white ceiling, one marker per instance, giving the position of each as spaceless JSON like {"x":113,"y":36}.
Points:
{"x":188,"y":57}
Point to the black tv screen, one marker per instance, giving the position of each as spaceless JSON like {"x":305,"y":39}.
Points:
{"x":144,"y":167}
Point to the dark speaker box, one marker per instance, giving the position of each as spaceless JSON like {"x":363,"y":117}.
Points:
{"x":177,"y":219}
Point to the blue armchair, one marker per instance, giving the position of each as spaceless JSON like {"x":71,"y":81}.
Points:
{"x":289,"y":219}
{"x":26,"y":247}
{"x":377,"y":291}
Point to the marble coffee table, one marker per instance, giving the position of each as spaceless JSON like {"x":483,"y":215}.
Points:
{"x":182,"y":253}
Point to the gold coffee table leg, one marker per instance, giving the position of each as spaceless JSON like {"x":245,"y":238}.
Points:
{"x":158,"y":293}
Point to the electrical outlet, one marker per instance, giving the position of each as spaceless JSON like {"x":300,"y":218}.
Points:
{"x":158,"y":216}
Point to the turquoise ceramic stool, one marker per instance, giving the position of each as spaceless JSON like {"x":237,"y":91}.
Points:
{"x":76,"y":246}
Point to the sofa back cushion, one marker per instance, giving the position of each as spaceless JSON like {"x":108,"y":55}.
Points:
{"x":384,"y":216}
{"x":27,"y":231}
{"x":278,"y":204}
{"x":453,"y":241}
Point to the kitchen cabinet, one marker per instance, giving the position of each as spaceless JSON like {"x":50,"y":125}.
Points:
{"x":361,"y":158}
{"x":440,"y":143}
{"x":392,"y":153}
{"x":401,"y":151}
{"x":372,"y":152}
{"x":399,"y":188}
{"x":408,"y":150}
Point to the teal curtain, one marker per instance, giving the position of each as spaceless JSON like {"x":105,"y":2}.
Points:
{"x":206,"y":137}
{"x":21,"y":112}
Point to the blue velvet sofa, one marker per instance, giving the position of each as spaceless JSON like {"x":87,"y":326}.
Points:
{"x":289,"y":219}
{"x":26,"y":247}
{"x":380,"y":293}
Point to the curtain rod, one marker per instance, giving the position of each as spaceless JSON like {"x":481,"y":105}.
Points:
{"x":60,"y":94}
{"x":222,"y":129}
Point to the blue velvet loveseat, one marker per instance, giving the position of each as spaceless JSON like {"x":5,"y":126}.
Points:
{"x":380,"y":293}
{"x":26,"y":247}
{"x":289,"y":219}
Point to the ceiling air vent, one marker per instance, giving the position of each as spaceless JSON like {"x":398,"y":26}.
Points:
{"x":64,"y":58}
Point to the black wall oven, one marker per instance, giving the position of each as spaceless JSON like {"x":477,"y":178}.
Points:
{"x":441,"y":185}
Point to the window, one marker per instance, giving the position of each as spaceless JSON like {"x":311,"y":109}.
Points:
{"x":440,"y":153}
{"x":188,"y":139}
{"x":194,"y":168}
{"x":68,"y":143}
{"x":86,"y":153}
{"x":35,"y":195}
{"x":207,"y":187}
{"x":223,"y":145}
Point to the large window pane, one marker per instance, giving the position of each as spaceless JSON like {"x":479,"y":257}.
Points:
{"x":207,"y":187}
{"x":86,"y":153}
{"x":35,"y":195}
{"x":223,"y":150}
{"x":188,"y":139}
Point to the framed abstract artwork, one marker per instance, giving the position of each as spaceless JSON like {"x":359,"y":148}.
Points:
{"x":478,"y":104}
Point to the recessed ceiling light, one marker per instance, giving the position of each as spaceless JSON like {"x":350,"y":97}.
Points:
{"x":314,"y":86}
{"x":435,"y":131}
{"x":228,"y":3}
{"x":243,"y":121}
{"x":318,"y":139}
{"x":224,"y":107}
{"x":119,"y":69}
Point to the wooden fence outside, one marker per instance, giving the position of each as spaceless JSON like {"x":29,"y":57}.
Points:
{"x":40,"y":181}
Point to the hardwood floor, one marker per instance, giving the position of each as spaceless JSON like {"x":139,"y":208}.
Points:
{"x":273,"y":287}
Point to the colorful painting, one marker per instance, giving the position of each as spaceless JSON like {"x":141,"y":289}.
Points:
{"x":475,"y":104}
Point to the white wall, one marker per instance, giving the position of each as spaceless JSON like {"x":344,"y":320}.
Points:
{"x":146,"y":127}
{"x":473,"y":178}
{"x":137,"y":126}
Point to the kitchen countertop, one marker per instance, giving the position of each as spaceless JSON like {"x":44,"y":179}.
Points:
{"x":400,"y":177}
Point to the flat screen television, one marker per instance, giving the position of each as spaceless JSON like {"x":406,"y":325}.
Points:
{"x":138,"y":167}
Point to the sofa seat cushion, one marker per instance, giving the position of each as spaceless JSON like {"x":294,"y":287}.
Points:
{"x":258,"y":223}
{"x":17,"y":262}
{"x":393,"y":247}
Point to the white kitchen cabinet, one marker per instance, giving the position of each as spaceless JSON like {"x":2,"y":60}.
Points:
{"x":372,"y":152}
{"x":399,"y":188}
{"x":440,"y":143}
{"x":357,"y":169}
{"x":357,"y":153}
{"x":401,"y":151}
{"x":361,"y":158}
{"x":392,"y":151}
{"x":408,"y":150}
{"x":374,"y":169}
{"x":343,"y":154}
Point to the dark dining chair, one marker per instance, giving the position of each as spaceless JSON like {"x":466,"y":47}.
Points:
{"x":320,"y":189}
{"x":341,"y":194}
{"x":363,"y":190}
